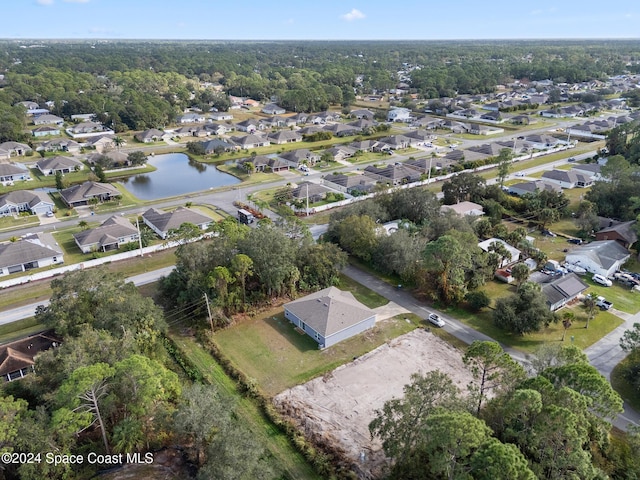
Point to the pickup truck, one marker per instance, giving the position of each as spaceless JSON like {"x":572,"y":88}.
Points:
{"x":603,"y":304}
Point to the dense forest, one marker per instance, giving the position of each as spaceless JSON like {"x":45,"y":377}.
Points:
{"x":138,"y":85}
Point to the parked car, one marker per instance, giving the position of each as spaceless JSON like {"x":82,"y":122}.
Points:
{"x":571,"y":160}
{"x":548,"y":233}
{"x":575,"y":241}
{"x":519,"y":174}
{"x":601,"y":280}
{"x":436,"y":320}
{"x":602,"y":304}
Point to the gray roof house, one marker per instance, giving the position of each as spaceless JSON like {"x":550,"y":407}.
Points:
{"x":329,"y":316}
{"x":10,"y":149}
{"x":312,"y":191}
{"x":624,"y":233}
{"x":162,"y":222}
{"x":393,"y":174}
{"x":568,"y":179}
{"x":45,"y":131}
{"x":17,"y":358}
{"x":113,"y":232}
{"x":48,"y":119}
{"x":81,"y":194}
{"x":285,"y":136}
{"x":299,"y":156}
{"x":60,"y":145}
{"x":151,"y":135}
{"x":251,"y":141}
{"x":25,"y":201}
{"x":10,"y":173}
{"x":352,"y":184}
{"x":532,"y":187}
{"x":603,"y":257}
{"x":273,"y":109}
{"x":53,"y":165}
{"x":32,"y":251}
{"x":563,"y":290}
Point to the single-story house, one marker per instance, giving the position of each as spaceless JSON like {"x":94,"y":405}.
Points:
{"x":53,"y":165}
{"x":543,"y":141}
{"x":311,"y":191}
{"x":590,"y":169}
{"x":563,"y":290}
{"x":220,"y":116}
{"x":362,"y":113}
{"x":151,"y":135}
{"x":393,"y":174}
{"x":86,"y":127}
{"x":624,"y":233}
{"x":215,"y":145}
{"x":330,"y":316}
{"x":262,"y":163}
{"x":13,"y":149}
{"x":464,"y":209}
{"x":17,"y":358}
{"x":31,"y":251}
{"x":48,"y":119}
{"x":273,"y":109}
{"x":10,"y":172}
{"x":218,"y":128}
{"x":568,"y":179}
{"x":603,"y":257}
{"x":29,"y":104}
{"x":399,"y":114}
{"x":192,"y":118}
{"x":300,"y":156}
{"x":396,"y":142}
{"x":514,"y":253}
{"x":114,"y":232}
{"x":250,"y":141}
{"x":341,"y":129}
{"x":352,"y":184}
{"x":285,"y":136}
{"x":45,"y":131}
{"x":249,"y":126}
{"x":35,"y":202}
{"x":116,"y":159}
{"x":162,"y":222}
{"x":60,"y":145}
{"x":341,"y":152}
{"x":81,"y":194}
{"x":532,"y":187}
{"x":101,"y":143}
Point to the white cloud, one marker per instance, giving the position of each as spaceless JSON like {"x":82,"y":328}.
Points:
{"x":44,"y":2}
{"x":354,"y":14}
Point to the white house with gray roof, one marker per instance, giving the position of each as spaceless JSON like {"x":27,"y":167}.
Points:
{"x":35,"y":202}
{"x":53,"y":165}
{"x":82,"y":194}
{"x":568,"y":179}
{"x":114,"y":232}
{"x":32,"y":251}
{"x":603,"y":257}
{"x":162,"y":222}
{"x":330,"y":316}
{"x":10,"y":172}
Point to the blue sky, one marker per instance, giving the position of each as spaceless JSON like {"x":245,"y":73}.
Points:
{"x":320,"y":19}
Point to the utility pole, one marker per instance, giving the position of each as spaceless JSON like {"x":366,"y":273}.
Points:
{"x":307,"y":199}
{"x":206,"y":299}
{"x":139,"y":236}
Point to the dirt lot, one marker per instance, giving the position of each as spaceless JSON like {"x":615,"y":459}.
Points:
{"x":339,"y":406}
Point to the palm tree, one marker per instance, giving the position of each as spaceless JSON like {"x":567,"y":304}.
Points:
{"x":566,"y":322}
{"x":590,"y":304}
{"x":83,"y":224}
{"x":118,"y":141}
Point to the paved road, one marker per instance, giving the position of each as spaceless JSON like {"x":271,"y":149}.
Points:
{"x":26,"y":311}
{"x":604,"y":355}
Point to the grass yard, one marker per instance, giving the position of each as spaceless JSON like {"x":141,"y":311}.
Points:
{"x":269,"y":349}
{"x":603,"y":323}
{"x":622,"y":297}
{"x":20,"y":329}
{"x":12,"y":223}
{"x":363,"y":294}
{"x":253,"y":179}
{"x":286,"y":460}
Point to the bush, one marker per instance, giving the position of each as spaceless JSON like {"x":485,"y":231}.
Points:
{"x":477,"y":300}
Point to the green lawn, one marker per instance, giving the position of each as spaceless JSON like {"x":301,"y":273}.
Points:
{"x":286,"y":460}
{"x":12,"y":223}
{"x":19,"y":329}
{"x":623,"y":298}
{"x":269,"y":349}
{"x":364,"y":295}
{"x":603,"y":323}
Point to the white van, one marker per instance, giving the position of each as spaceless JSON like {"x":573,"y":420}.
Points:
{"x":602,"y":280}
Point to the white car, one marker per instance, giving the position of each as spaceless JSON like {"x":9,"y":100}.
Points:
{"x":601,"y":280}
{"x":436,"y":320}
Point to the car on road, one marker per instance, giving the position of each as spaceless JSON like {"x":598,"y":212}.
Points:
{"x":571,"y":160}
{"x":601,"y":280}
{"x":519,"y":174}
{"x":436,"y":320}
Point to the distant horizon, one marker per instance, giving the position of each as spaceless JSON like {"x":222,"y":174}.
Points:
{"x":330,"y":20}
{"x":353,"y":40}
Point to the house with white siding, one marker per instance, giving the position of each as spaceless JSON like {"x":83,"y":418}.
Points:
{"x":330,"y":316}
{"x":603,"y":257}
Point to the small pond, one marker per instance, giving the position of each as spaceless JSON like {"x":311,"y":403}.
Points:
{"x":176,"y":174}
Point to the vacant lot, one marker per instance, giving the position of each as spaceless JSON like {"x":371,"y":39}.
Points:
{"x":340,"y":405}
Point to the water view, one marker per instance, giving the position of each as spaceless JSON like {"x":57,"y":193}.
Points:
{"x":176,"y":174}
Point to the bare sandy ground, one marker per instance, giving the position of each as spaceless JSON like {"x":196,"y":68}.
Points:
{"x":339,"y":406}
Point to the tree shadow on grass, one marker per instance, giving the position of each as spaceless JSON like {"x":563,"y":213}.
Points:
{"x":296,"y":337}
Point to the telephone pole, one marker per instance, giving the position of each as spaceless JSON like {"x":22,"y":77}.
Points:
{"x":206,"y":299}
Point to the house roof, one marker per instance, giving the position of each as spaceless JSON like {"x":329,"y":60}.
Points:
{"x":625,"y":229}
{"x":152,"y":132}
{"x":106,"y":234}
{"x":165,"y":221}
{"x":19,"y":354}
{"x":565,"y":288}
{"x":603,"y":252}
{"x":395,"y":172}
{"x":307,"y":188}
{"x":19,"y":197}
{"x":285,"y":135}
{"x":329,"y":311}
{"x":568,"y":176}
{"x":535,"y":185}
{"x":87,"y":190}
{"x":11,"y":169}
{"x":463,"y":208}
{"x":57,"y":162}
{"x":24,"y":251}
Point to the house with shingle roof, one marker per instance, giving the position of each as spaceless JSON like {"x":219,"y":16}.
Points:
{"x":81,"y":194}
{"x":533,"y":187}
{"x":284,"y":136}
{"x":624,"y":233}
{"x":10,"y":172}
{"x":150,"y":135}
{"x":563,"y":290}
{"x":17,"y":359}
{"x":311,"y":191}
{"x":31,"y":251}
{"x":330,"y":316}
{"x":10,"y":149}
{"x":352,"y":184}
{"x":110,"y":235}
{"x":60,"y":145}
{"x":393,"y":174}
{"x":45,"y":131}
{"x":603,"y":257}
{"x":48,"y":119}
{"x":162,"y":222}
{"x":35,"y":202}
{"x":53,"y":165}
{"x":250,"y":141}
{"x":568,"y":179}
